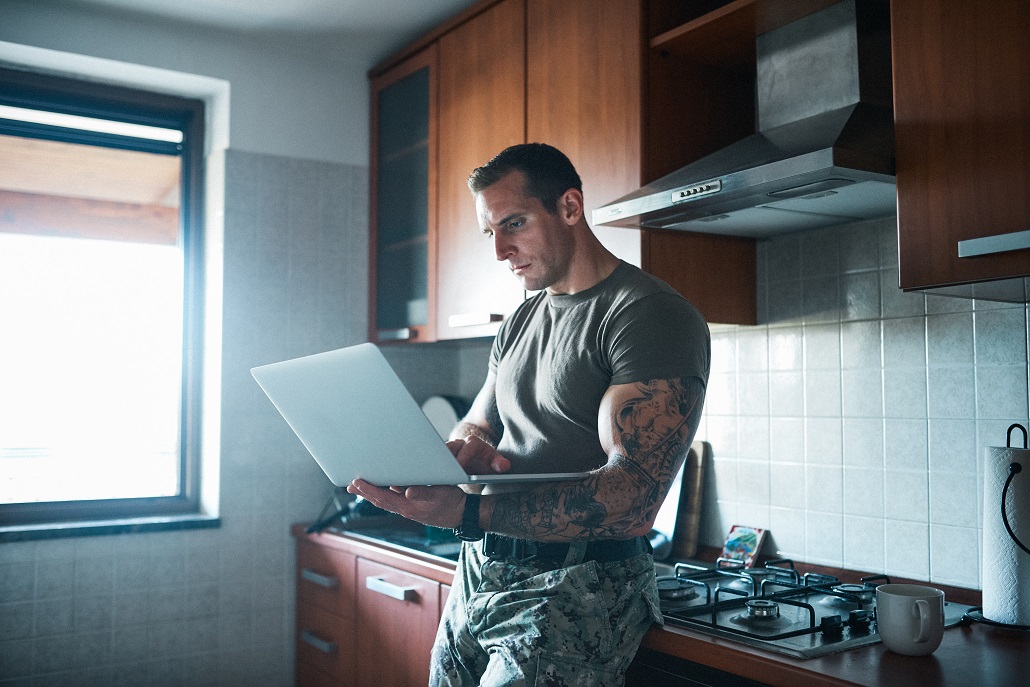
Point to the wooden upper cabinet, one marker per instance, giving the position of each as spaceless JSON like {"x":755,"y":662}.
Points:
{"x":962,"y":123}
{"x":482,"y":106}
{"x":584,"y":75}
{"x":403,"y":204}
{"x":587,"y":96}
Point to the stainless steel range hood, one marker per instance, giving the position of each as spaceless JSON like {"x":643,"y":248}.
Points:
{"x":824,"y":150}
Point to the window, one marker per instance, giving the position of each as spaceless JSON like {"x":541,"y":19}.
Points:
{"x":100,"y":301}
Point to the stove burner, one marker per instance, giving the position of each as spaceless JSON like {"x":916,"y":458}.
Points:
{"x":762,"y":609}
{"x":860,"y":590}
{"x":676,"y":588}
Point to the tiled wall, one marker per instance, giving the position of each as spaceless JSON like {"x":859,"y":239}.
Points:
{"x":213,"y":607}
{"x":852,"y":422}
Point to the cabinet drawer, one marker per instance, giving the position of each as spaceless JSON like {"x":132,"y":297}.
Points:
{"x":325,"y":642}
{"x":325,"y":578}
{"x":308,"y":676}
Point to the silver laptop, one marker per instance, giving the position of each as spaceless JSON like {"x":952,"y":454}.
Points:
{"x":356,"y":418}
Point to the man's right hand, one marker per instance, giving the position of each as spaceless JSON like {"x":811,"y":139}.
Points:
{"x":477,"y":457}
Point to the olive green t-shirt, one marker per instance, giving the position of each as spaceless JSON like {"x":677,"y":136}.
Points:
{"x":556,"y":356}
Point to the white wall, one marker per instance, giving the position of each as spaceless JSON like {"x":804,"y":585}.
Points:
{"x":289,"y":97}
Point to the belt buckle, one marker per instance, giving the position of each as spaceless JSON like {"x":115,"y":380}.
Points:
{"x":496,"y":546}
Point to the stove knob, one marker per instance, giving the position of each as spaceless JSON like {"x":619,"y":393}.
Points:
{"x":832,"y":627}
{"x":860,"y":622}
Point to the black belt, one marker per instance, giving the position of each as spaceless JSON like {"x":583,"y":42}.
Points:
{"x":499,"y":547}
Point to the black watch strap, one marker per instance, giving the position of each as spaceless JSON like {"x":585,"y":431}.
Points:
{"x":469,"y":529}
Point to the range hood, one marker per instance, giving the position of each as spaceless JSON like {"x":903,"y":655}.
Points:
{"x":823,"y":153}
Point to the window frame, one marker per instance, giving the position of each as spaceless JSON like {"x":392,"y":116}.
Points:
{"x":79,"y":97}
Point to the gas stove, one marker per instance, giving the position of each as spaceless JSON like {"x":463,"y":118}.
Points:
{"x":777,"y":609}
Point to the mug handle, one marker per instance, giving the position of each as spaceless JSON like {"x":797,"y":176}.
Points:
{"x":922,"y":611}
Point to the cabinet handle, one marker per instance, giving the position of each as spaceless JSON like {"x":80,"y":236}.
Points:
{"x":325,"y":646}
{"x":999,"y":243}
{"x":402,"y":334}
{"x":378,"y":584}
{"x":471,"y":319}
{"x":327,"y":581}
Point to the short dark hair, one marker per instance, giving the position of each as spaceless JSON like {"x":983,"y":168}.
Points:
{"x":548,"y":172}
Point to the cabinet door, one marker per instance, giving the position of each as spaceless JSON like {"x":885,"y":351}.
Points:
{"x":398,"y":614}
{"x":403,"y":206}
{"x":482,"y":112}
{"x":962,"y":124}
{"x":584,"y":79}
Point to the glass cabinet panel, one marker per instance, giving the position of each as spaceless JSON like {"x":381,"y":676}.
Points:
{"x":401,"y":232}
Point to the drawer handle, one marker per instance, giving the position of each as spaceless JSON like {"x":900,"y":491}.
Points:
{"x":471,"y":319}
{"x":378,"y":584}
{"x":325,"y":646}
{"x":327,"y":581}
{"x":989,"y":245}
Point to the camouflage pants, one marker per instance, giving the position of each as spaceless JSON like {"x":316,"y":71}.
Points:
{"x":535,"y":623}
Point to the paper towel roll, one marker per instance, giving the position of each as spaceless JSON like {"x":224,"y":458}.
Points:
{"x":1006,"y":568}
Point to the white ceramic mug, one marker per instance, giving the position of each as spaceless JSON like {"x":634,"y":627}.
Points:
{"x":910,"y":618}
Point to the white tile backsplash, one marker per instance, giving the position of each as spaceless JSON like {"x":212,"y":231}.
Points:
{"x":879,"y":409}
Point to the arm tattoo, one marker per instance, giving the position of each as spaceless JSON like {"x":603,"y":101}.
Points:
{"x":491,"y":434}
{"x":654,"y":429}
{"x":493,"y":420}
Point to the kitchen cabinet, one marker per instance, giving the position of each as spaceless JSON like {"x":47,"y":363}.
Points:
{"x":584,"y":80}
{"x":962,"y":124}
{"x":366,"y":614}
{"x":626,"y":120}
{"x":482,"y":110}
{"x":701,"y":98}
{"x":325,"y":617}
{"x":398,"y":613}
{"x":972,"y":654}
{"x":403,"y":205}
{"x":573,"y":74}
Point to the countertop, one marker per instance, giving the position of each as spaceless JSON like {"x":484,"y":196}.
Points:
{"x":970,"y":654}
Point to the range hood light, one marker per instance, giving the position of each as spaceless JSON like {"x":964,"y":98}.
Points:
{"x":817,"y":194}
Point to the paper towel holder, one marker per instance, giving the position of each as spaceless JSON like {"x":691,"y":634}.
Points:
{"x":1014,"y":469}
{"x":976,"y":614}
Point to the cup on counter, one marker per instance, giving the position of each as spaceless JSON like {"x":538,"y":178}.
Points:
{"x":910,"y":618}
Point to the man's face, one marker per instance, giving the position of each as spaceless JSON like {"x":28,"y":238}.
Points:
{"x":536,"y":244}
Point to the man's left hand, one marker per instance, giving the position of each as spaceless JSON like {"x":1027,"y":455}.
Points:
{"x":439,"y":506}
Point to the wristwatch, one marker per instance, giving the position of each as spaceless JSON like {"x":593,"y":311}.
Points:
{"x":469,"y":529}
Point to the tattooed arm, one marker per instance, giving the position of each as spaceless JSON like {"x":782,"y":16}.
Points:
{"x":482,"y":420}
{"x":645,"y":429}
{"x":474,"y":439}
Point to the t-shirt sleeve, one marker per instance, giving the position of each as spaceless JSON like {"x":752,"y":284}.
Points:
{"x":661,"y":336}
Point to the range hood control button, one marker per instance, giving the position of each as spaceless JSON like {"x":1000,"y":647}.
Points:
{"x":696,"y":191}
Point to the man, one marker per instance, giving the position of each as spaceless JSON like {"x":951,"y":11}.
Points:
{"x":603,"y":371}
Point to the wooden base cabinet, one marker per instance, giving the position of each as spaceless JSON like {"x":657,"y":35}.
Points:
{"x":398,"y":613}
{"x":325,"y":617}
{"x":366,"y":614}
